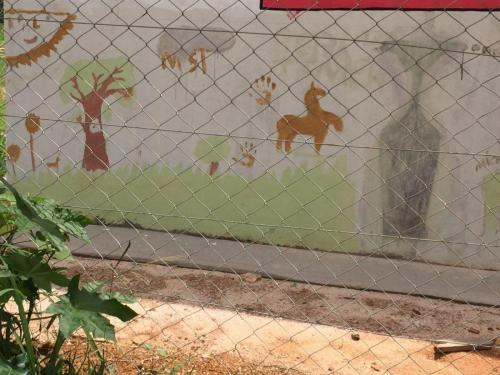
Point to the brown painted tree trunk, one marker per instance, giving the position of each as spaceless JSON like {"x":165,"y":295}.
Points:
{"x":92,"y":106}
{"x":32,"y":152}
{"x":95,"y":155}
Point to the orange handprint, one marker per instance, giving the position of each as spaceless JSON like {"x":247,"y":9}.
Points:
{"x":266,"y":87}
{"x":248,"y":154}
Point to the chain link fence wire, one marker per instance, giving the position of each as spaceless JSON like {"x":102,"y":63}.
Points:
{"x":259,"y":171}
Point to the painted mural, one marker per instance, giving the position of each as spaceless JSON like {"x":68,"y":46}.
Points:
{"x":33,"y":126}
{"x":315,"y":123}
{"x":91,"y":84}
{"x":408,"y":162}
{"x":485,"y":5}
{"x":266,"y":88}
{"x":261,"y":135}
{"x":35,"y":39}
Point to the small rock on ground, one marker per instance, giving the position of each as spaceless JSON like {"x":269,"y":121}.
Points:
{"x":250,"y":277}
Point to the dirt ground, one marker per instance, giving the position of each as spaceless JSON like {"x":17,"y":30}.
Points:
{"x":140,"y":360}
{"x":219,"y":323}
{"x":137,"y":360}
{"x":391,"y":314}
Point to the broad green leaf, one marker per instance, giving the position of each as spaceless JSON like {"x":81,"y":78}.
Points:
{"x":29,"y":212}
{"x":6,"y":199}
{"x":51,"y":223}
{"x":69,"y":222}
{"x":97,"y":286}
{"x":84,"y":309}
{"x":6,"y":295}
{"x":19,"y":284}
{"x":11,"y":217}
{"x":7,"y":369}
{"x":5,"y":273}
{"x":45,"y":241}
{"x":92,"y":301}
{"x":34,"y":267}
{"x":22,"y":223}
{"x":5,"y":225}
{"x":94,"y":286}
{"x":72,"y":318}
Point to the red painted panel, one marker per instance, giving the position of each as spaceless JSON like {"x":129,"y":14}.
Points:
{"x":382,"y":4}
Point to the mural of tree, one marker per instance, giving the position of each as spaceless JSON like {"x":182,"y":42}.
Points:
{"x":13,"y":153}
{"x":409,"y":164}
{"x":96,"y":85}
{"x":33,"y":126}
{"x":212,"y":150}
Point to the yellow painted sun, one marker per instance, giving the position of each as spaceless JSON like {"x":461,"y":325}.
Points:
{"x":34,"y":34}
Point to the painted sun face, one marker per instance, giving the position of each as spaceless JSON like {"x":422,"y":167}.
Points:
{"x":34,"y":34}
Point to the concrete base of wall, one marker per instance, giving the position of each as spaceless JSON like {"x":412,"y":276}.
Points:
{"x":343,"y":270}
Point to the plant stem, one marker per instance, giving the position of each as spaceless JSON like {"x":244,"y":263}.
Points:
{"x":26,"y":333}
{"x":93,"y":345}
{"x":57,"y":348}
{"x":32,"y":363}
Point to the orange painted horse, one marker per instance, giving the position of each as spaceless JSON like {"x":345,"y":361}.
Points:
{"x":315,"y":123}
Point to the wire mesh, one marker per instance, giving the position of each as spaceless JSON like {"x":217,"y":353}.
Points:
{"x":273,"y":182}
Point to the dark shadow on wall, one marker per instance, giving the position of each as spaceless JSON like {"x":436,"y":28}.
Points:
{"x":408,"y":166}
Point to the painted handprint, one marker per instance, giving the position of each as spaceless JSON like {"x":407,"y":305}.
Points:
{"x":248,"y":153}
{"x":265,"y":87}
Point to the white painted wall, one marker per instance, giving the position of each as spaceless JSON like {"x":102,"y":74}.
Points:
{"x":459,"y":95}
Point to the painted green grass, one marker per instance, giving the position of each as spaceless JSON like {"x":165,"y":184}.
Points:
{"x":313,"y":209}
{"x":491,"y":188}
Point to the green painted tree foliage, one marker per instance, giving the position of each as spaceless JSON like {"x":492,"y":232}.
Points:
{"x":87,"y":70}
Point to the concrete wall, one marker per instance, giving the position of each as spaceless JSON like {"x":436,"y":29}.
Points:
{"x":186,"y":136}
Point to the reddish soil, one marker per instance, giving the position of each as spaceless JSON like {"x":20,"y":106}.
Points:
{"x":393,"y":314}
{"x":151,"y":362}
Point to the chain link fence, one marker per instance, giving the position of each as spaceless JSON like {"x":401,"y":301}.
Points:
{"x":274,"y":180}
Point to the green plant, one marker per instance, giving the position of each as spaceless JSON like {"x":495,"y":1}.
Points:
{"x":164,"y":369}
{"x":2,"y":97}
{"x":28,"y":276}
